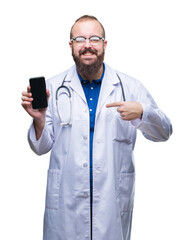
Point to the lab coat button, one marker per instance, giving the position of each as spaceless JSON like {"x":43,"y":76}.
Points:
{"x":85,"y":194}
{"x":85,"y":137}
{"x":85,"y":165}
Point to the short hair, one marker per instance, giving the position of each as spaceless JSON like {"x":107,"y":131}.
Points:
{"x":87,"y":17}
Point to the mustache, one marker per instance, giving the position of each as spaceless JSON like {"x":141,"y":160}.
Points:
{"x":87,"y":50}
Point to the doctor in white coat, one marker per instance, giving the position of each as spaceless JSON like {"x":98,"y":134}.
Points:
{"x":75,"y":210}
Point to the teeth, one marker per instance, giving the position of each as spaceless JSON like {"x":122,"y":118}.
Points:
{"x":88,"y":53}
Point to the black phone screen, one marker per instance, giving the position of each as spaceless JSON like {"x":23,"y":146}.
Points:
{"x":38,"y":90}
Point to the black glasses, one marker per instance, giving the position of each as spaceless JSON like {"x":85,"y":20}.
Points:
{"x":80,"y":40}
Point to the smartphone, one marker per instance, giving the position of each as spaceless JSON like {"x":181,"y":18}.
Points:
{"x":38,"y":90}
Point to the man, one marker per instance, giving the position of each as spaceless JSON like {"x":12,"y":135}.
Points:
{"x":90,"y":188}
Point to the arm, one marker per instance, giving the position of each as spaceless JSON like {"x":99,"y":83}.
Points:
{"x":38,"y":115}
{"x":39,"y":136}
{"x":145,"y":116}
{"x":154,"y":125}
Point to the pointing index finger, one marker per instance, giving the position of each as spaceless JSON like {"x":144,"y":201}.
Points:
{"x":114,"y":104}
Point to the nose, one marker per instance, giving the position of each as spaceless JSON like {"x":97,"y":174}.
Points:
{"x":87,"y":43}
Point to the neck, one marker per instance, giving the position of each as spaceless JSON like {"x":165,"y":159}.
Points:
{"x":93,"y":76}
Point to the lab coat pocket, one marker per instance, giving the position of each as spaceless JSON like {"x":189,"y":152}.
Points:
{"x":126,"y":191}
{"x":122,"y":129}
{"x":52,"y":194}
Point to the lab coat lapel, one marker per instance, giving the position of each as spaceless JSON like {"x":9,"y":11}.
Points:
{"x":74,"y":82}
{"x":109,"y":82}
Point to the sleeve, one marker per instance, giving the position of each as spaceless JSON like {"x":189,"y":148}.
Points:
{"x":154,"y":125}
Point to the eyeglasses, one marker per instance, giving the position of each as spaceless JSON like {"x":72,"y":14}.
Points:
{"x":94,"y":40}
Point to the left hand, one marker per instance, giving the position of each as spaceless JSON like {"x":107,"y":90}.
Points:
{"x":128,"y":110}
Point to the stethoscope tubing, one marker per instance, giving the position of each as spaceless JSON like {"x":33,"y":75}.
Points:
{"x":65,"y":87}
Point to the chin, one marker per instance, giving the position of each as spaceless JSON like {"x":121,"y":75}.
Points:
{"x":88,"y":61}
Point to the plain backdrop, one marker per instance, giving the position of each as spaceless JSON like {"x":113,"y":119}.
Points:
{"x":152,"y":41}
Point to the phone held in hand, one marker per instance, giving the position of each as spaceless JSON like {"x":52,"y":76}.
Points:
{"x":38,"y":90}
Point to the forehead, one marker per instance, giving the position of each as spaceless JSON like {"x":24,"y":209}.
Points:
{"x":87,"y":28}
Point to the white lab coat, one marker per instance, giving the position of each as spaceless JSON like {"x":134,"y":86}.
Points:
{"x":67,"y":213}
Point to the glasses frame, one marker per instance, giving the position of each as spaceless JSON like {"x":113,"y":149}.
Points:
{"x":85,"y":38}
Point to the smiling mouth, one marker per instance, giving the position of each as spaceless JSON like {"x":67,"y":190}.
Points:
{"x":88,"y":52}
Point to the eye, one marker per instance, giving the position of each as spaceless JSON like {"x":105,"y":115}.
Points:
{"x":80,"y":39}
{"x":94,"y":39}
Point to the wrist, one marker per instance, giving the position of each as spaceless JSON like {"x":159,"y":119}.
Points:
{"x":39,"y":122}
{"x":141,"y":111}
{"x":39,"y":126}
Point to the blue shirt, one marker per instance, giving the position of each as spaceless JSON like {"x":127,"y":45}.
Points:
{"x":92,"y":91}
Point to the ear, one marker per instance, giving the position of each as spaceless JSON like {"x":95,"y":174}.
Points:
{"x":70,"y":44}
{"x":105,"y":44}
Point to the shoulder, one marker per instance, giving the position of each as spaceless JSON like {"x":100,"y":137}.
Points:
{"x":58,"y":79}
{"x":125,"y":78}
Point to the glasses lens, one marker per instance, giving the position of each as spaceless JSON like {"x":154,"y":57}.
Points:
{"x":80,"y":39}
{"x":94,"y":39}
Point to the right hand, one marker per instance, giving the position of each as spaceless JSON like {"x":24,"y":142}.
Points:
{"x":37,"y":114}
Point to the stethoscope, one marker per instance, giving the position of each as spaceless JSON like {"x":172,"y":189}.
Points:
{"x":68,"y":123}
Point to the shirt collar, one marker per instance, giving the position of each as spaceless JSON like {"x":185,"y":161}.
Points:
{"x":97,"y":81}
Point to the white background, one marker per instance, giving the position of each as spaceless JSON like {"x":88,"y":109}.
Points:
{"x":152,"y":41}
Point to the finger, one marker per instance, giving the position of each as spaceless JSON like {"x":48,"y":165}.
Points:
{"x":26,"y":105}
{"x":28,"y":89}
{"x":47,"y":93}
{"x":123,"y":115}
{"x":114,"y":104}
{"x":120,"y":110}
{"x":125,"y":118}
{"x":26,"y":99}
{"x":27,"y":94}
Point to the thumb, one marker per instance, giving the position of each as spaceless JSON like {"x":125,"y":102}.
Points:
{"x":48,"y":94}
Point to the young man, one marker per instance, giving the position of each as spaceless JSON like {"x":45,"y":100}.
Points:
{"x":90,"y":125}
